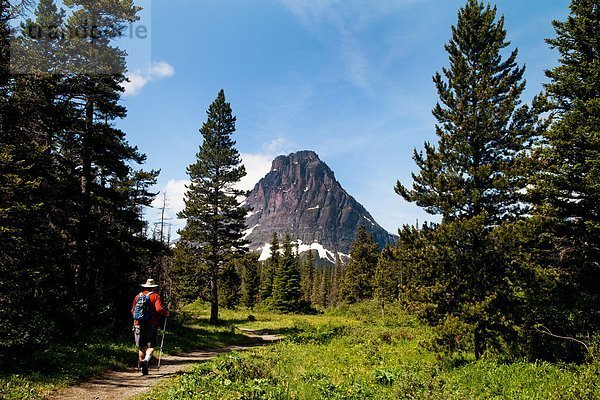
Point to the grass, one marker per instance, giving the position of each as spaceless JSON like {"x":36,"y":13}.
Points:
{"x":353,"y":353}
{"x":62,"y":365}
{"x":348,"y":353}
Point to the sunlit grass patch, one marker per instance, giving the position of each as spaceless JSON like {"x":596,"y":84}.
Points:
{"x":355,"y":353}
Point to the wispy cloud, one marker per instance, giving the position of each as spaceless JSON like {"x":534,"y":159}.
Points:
{"x":359,"y":11}
{"x":349,"y":20}
{"x":139,"y":79}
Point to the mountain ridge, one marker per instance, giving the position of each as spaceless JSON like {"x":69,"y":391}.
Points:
{"x":301,"y":196}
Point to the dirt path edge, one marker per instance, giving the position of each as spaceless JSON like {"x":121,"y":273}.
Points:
{"x":119,"y":385}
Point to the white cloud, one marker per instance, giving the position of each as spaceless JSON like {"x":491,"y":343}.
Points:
{"x":161,"y":69}
{"x":139,"y":79}
{"x":174,"y":191}
{"x":257,"y":166}
{"x":276,"y":147}
{"x":136,"y":82}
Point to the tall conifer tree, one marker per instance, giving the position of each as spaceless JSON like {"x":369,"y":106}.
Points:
{"x":482,"y":132}
{"x":475,"y":179}
{"x":308,"y":276}
{"x":387,"y":278}
{"x":215,"y":220}
{"x":357,"y":281}
{"x":269,"y":269}
{"x":287,"y":293}
{"x":71,"y":220}
{"x":250,"y":280}
{"x":567,"y":190}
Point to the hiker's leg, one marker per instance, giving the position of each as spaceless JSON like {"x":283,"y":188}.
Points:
{"x":152,"y":336}
{"x":149,"y":352}
{"x":139,"y":343}
{"x":142,"y":353}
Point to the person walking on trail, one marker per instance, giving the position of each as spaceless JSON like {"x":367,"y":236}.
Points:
{"x":147,"y":310}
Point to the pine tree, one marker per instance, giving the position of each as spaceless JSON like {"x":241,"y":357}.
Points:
{"x":102,"y":191}
{"x":318,"y":292}
{"x":287,"y":293}
{"x":269,"y":270}
{"x":307,"y":276}
{"x":100,"y":152}
{"x":214,"y":216}
{"x":567,"y":189}
{"x":482,"y":132}
{"x":250,"y":280}
{"x":79,"y":214}
{"x":387,"y":278}
{"x":357,"y":283}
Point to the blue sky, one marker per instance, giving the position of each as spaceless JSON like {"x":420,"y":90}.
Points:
{"x":348,"y":79}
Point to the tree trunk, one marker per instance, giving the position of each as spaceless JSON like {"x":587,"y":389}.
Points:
{"x":84,"y":277}
{"x":477,"y":345}
{"x":214,"y":295}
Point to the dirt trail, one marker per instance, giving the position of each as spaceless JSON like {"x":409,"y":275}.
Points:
{"x":119,"y":385}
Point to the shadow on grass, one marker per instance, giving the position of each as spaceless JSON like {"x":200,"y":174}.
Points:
{"x":282,"y":332}
{"x":187,"y":338}
{"x":64,"y":364}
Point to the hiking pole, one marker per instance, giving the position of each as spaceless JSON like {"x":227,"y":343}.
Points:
{"x":162,"y":342}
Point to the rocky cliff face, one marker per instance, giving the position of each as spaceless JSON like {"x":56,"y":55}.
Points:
{"x":301,"y":196}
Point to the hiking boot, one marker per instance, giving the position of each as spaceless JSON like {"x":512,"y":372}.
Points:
{"x":144,"y":365}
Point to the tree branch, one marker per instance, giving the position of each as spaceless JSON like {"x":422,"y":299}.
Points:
{"x":547,"y":332}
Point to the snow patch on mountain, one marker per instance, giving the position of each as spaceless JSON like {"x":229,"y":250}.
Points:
{"x":248,"y":232}
{"x":300,"y":247}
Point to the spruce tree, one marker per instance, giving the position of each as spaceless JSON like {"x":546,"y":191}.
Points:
{"x":308,"y":276}
{"x":26,"y":239}
{"x":357,"y":282}
{"x":337,"y":277}
{"x":269,"y":270}
{"x":567,"y":188}
{"x":250,"y":280}
{"x":287,"y":293}
{"x":387,"y":278}
{"x":215,"y":220}
{"x":318,"y":292}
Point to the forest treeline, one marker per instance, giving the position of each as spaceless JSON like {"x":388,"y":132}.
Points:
{"x":73,"y":242}
{"x":513,"y":268}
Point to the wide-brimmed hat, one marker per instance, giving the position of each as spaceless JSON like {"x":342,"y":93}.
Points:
{"x":149,"y":284}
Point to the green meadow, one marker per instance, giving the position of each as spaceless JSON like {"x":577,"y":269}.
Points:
{"x":354,"y":353}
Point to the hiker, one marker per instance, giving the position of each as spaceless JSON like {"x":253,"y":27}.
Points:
{"x":147,"y":309}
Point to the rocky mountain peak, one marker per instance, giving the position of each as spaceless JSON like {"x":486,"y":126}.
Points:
{"x":301,"y":196}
